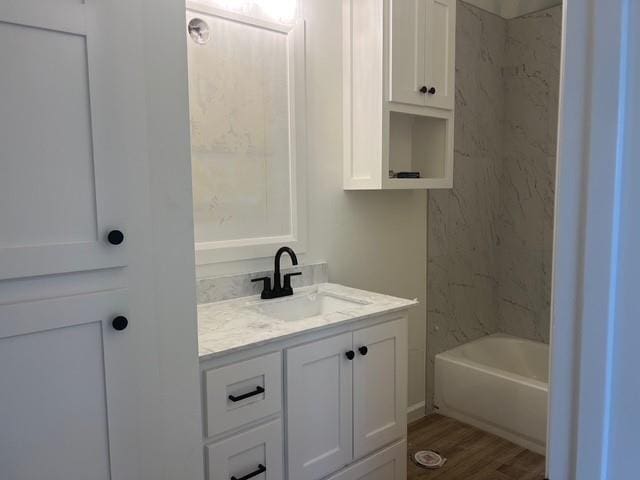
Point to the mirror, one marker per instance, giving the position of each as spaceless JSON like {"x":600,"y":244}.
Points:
{"x":246,"y":97}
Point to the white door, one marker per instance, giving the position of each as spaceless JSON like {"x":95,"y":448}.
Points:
{"x":389,"y":464}
{"x":61,"y":189}
{"x":439,"y":53}
{"x":406,"y":62}
{"x":379,"y":386}
{"x":72,"y":380}
{"x":319,"y":407}
{"x":65,"y":392}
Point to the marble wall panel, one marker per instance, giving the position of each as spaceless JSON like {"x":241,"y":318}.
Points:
{"x":527,"y":184}
{"x":490,"y":237}
{"x":462,"y":222}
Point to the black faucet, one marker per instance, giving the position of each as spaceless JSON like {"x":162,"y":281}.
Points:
{"x":278,"y":289}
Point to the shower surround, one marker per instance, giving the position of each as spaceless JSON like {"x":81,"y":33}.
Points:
{"x":490,"y":237}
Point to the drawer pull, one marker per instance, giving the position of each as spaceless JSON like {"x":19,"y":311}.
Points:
{"x":257,"y":391}
{"x":261,"y":469}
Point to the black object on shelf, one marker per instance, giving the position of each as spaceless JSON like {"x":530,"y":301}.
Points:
{"x":244,"y":396}
{"x":408,"y":175}
{"x":261,"y":469}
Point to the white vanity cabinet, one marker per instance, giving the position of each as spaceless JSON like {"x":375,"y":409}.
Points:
{"x":346,"y":398}
{"x":345,"y":393}
{"x":398,"y":93}
{"x":388,"y":464}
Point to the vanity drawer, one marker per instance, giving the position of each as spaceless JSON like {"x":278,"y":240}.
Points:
{"x":243,"y":392}
{"x":256,"y":454}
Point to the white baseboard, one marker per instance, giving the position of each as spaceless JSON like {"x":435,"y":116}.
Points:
{"x":416,"y":412}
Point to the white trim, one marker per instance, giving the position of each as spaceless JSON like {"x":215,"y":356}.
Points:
{"x":416,"y":411}
{"x":203,"y":7}
{"x":586,"y":237}
{"x":513,"y":8}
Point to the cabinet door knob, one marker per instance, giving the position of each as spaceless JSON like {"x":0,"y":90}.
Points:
{"x":432,"y":91}
{"x":350,"y":354}
{"x":115,"y":237}
{"x":120,"y":323}
{"x":363,"y":350}
{"x":424,"y":89}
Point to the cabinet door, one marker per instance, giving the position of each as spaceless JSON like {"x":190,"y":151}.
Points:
{"x":61,"y":171}
{"x":65,"y":374}
{"x":389,"y":464}
{"x":379,"y":386}
{"x":439,"y":53}
{"x":406,"y":51}
{"x":319,"y":407}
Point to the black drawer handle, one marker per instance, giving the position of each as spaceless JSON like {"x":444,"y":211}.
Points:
{"x":261,"y":469}
{"x":257,"y":391}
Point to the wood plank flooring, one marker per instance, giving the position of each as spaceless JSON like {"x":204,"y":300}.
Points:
{"x":471,"y":453}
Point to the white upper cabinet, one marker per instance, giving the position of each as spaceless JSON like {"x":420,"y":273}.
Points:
{"x":398,"y":93}
{"x":61,"y":169}
{"x":422,"y":53}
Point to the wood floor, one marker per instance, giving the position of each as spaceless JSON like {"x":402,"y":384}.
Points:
{"x":471,"y":453}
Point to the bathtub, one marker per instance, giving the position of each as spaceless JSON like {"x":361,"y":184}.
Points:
{"x":498,"y":384}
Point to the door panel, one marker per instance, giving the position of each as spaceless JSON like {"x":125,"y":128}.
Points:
{"x":379,"y":386}
{"x":389,"y":464}
{"x":439,"y":52}
{"x":65,"y":189}
{"x":407,"y":57}
{"x":319,"y":407}
{"x":61,"y":401}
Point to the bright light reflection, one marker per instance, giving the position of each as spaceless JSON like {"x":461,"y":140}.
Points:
{"x":280,"y":10}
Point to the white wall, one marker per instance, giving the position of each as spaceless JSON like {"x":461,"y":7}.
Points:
{"x":371,"y":240}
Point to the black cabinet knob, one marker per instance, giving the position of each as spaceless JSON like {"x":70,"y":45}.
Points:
{"x":424,"y":89}
{"x":363,"y":350}
{"x":350,"y":354}
{"x":120,"y":323}
{"x":432,"y":91}
{"x":115,"y":237}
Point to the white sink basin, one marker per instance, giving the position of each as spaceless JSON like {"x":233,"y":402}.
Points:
{"x":305,"y":305}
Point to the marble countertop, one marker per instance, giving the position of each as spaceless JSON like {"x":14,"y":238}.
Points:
{"x":232,"y":325}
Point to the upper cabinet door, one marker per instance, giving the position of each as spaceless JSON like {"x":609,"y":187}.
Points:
{"x":439,"y":53}
{"x":319,"y":407}
{"x":422,"y":52}
{"x":60,"y":168}
{"x":406,"y":59}
{"x":379,"y":386}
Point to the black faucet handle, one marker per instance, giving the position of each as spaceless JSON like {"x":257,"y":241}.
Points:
{"x":266,"y":285}
{"x":287,"y":278}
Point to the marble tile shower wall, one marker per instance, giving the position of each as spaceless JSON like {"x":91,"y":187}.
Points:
{"x":489,"y":238}
{"x":527,"y":183}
